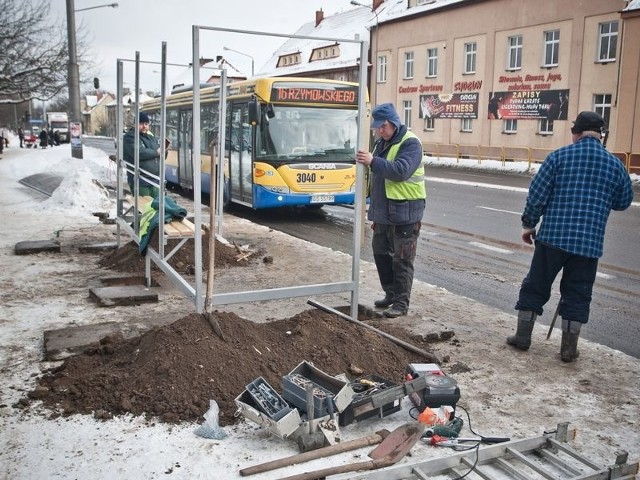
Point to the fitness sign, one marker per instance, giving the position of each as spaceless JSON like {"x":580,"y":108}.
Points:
{"x":449,"y":105}
{"x":529,"y":104}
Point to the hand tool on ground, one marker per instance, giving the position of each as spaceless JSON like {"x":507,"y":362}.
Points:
{"x":391,"y":450}
{"x":449,"y":430}
{"x":315,"y":438}
{"x":439,"y":441}
{"x":428,"y":355}
{"x":213,"y":321}
{"x":555,"y":317}
{"x":372,"y":439}
{"x":330,"y":428}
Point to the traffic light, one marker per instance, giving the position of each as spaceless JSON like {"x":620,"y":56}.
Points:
{"x":96,"y":83}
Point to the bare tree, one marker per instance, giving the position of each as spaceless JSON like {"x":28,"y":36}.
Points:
{"x":33,"y":52}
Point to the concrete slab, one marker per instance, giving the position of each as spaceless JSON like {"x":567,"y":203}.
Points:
{"x":97,"y":247}
{"x":123,"y":295}
{"x":36,"y":246}
{"x":114,"y":280}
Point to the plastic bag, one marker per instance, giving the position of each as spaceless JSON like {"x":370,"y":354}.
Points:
{"x":211,"y":427}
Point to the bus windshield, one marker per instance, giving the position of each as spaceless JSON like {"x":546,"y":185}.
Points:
{"x":291,"y":132}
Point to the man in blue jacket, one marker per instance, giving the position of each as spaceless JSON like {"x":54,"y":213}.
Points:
{"x":149,"y":157}
{"x":574,"y":191}
{"x":397,"y":196}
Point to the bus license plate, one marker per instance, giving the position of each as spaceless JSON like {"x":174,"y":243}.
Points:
{"x":322,"y":198}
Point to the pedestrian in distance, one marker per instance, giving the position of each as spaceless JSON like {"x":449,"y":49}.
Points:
{"x":2,"y":130}
{"x":44,"y":140}
{"x":574,"y":192}
{"x":21,"y":136}
{"x":149,"y":157}
{"x":397,"y":196}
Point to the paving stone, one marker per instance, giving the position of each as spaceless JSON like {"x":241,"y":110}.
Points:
{"x":123,"y":295}
{"x":30,"y":247}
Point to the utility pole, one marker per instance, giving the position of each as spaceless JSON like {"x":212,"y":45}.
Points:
{"x":75,"y":116}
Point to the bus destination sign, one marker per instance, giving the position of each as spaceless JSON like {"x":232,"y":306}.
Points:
{"x":344,"y":96}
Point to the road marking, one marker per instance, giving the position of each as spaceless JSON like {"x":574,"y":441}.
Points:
{"x":605,"y":276}
{"x":498,"y":210}
{"x":476,"y":184}
{"x":490,"y":247}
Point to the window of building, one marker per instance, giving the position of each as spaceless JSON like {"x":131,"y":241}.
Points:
{"x":607,"y":41}
{"x":429,"y":124}
{"x":545,"y":126}
{"x":465,"y":125}
{"x":602,"y":105}
{"x":551,"y":48}
{"x":381,"y":74}
{"x":470,"y":51}
{"x":432,"y":62}
{"x":406,"y":109}
{"x":510,"y":126}
{"x":408,"y":65}
{"x":514,"y":49}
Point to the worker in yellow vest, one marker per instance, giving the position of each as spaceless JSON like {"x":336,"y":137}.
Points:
{"x":397,"y":198}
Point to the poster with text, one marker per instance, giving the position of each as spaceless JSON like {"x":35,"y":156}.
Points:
{"x":529,"y":104}
{"x":449,"y":105}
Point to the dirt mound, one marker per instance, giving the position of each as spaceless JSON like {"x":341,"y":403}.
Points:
{"x":172,"y":372}
{"x":127,"y":258}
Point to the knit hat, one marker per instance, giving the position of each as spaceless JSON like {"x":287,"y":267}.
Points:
{"x":384,"y":112}
{"x":143,"y":118}
{"x":587,"y":121}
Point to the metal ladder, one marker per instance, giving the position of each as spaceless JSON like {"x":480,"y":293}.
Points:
{"x":544,"y":457}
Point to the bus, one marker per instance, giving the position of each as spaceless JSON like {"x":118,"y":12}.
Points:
{"x":288,"y":141}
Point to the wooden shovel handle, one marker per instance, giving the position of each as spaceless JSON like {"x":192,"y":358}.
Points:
{"x":313,"y":454}
{"x":353,"y":467}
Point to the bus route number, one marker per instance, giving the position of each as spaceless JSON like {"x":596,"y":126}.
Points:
{"x":306,"y":177}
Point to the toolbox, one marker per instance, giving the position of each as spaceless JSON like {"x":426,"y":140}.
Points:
{"x":440,"y":389}
{"x":364,"y":406}
{"x":260,"y":403}
{"x":294,"y":392}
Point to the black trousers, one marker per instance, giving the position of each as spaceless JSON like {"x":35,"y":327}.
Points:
{"x":576,"y":284}
{"x":394,"y":250}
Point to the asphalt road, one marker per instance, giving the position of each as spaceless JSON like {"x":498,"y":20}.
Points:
{"x":470,"y":245}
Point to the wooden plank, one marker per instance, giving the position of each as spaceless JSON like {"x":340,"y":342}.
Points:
{"x":173,"y":229}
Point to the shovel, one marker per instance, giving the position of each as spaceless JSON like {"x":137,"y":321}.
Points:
{"x":392,"y":449}
{"x":213,"y":321}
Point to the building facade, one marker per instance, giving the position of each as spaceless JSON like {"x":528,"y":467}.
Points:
{"x":508,"y":72}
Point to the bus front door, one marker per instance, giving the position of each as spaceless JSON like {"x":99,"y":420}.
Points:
{"x":238,"y":148}
{"x":185,"y":161}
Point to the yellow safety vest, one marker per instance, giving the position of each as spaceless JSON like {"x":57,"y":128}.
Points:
{"x":411,"y":189}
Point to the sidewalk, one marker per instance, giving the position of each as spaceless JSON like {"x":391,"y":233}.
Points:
{"x":507,"y":393}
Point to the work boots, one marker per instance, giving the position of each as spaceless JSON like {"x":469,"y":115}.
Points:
{"x":569,"y":344}
{"x":522,"y":338}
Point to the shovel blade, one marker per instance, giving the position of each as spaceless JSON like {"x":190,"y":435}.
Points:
{"x":399,"y":442}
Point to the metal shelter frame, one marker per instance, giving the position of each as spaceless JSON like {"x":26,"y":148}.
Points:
{"x":196,"y":292}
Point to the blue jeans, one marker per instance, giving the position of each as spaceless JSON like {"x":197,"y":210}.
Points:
{"x":576,"y":284}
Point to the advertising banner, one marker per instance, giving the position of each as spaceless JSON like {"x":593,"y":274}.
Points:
{"x":449,"y":105}
{"x":75,"y":129}
{"x":529,"y":104}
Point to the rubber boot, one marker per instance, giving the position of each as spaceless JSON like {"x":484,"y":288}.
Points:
{"x":569,"y":344}
{"x":522,"y":338}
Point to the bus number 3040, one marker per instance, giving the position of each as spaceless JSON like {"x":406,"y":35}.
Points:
{"x":306,"y":177}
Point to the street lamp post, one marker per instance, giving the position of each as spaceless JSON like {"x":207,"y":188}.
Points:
{"x":73,"y":78}
{"x":246,"y":55}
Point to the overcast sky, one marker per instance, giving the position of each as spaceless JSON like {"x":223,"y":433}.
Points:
{"x":142,"y":26}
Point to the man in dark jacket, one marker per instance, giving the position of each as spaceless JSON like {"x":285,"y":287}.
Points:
{"x":149,"y":158}
{"x":397,"y":200}
{"x":573,"y":192}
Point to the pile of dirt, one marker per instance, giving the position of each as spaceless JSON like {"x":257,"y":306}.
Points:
{"x":171,"y":372}
{"x":128,"y":259}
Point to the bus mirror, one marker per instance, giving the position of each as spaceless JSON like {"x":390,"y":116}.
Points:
{"x":270,"y":112}
{"x":254,"y":112}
